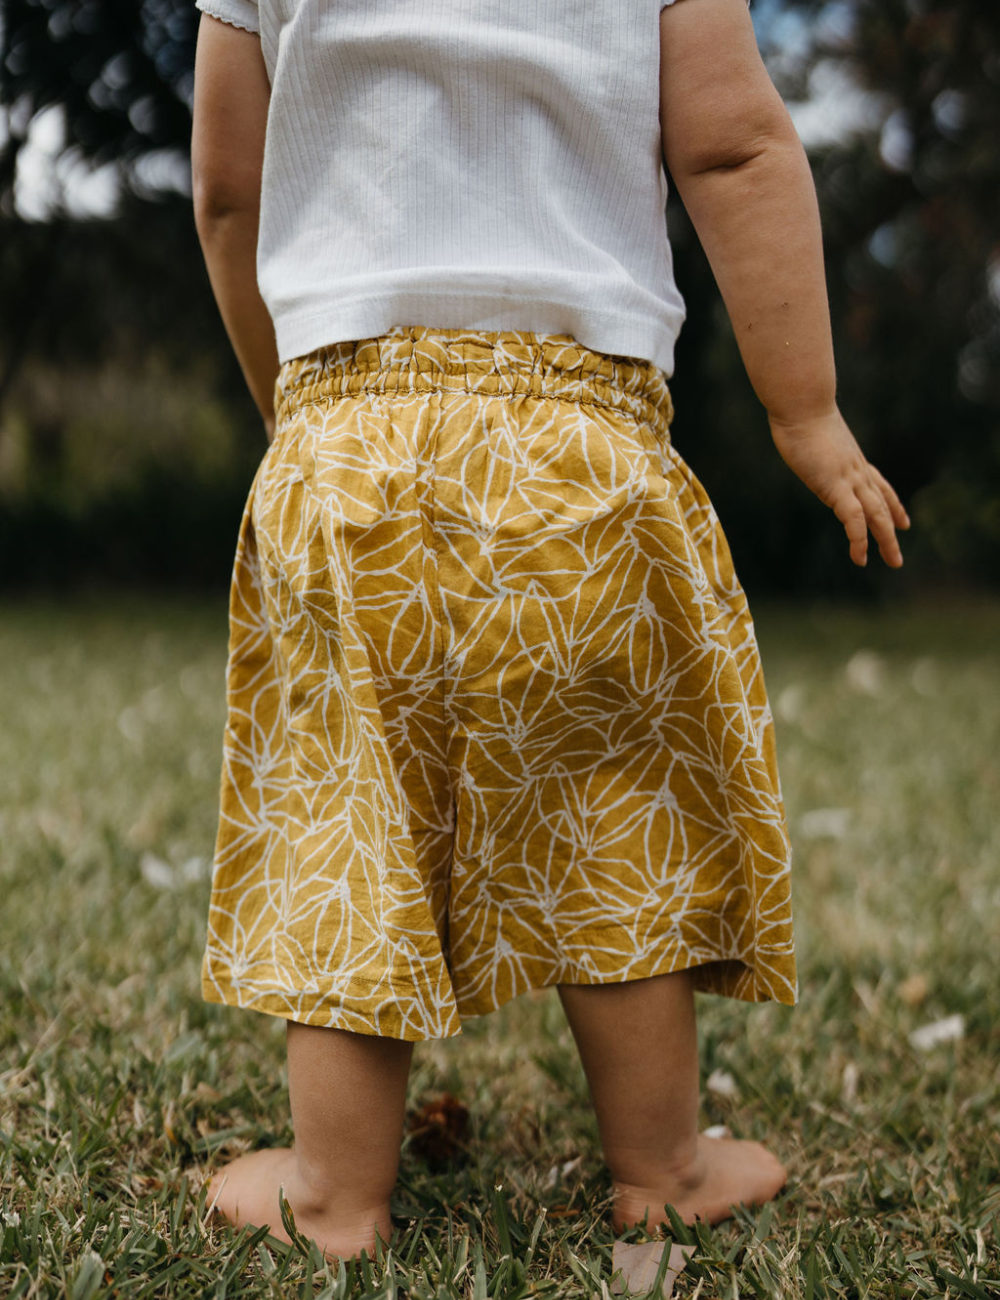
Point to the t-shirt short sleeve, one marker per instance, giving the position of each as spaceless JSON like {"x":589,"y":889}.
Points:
{"x":238,"y":13}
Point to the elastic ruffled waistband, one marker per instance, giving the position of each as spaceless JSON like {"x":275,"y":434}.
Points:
{"x":415,"y":359}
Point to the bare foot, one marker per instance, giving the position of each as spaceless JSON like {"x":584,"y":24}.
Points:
{"x":725,"y":1172}
{"x":246,"y":1191}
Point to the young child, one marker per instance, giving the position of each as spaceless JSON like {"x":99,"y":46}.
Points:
{"x":496,"y":713}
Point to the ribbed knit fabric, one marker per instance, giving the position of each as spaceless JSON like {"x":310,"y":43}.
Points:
{"x":494,"y":166}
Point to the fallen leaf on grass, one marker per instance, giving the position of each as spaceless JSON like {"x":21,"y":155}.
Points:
{"x":836,"y":1178}
{"x":438,"y":1129}
{"x":948,"y":1030}
{"x":634,"y":1266}
{"x":913,"y":990}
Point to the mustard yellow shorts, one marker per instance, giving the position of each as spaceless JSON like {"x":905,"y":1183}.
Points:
{"x":496,"y":716}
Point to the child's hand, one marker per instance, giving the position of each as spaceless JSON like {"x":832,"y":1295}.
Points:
{"x":825,"y":455}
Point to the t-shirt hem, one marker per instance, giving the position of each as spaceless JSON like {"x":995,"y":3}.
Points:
{"x":601,"y":330}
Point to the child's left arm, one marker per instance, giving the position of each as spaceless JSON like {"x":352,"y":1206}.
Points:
{"x":231,"y":96}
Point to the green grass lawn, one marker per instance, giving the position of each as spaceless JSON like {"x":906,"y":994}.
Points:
{"x":119,"y":1086}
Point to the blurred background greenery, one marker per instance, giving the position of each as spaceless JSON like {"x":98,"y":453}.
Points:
{"x":128,"y":440}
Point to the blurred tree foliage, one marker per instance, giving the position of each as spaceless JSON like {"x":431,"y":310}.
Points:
{"x":122,"y":69}
{"x":911,"y":208}
{"x":127,"y":436}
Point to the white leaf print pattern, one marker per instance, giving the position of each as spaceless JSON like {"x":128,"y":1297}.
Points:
{"x":496,"y":715}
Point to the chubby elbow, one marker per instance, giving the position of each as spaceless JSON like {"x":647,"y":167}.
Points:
{"x":731,"y":160}
{"x":737,"y":142}
{"x":219,"y":198}
{"x":223,"y":183}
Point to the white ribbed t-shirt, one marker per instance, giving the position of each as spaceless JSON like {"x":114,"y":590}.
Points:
{"x":493,"y":165}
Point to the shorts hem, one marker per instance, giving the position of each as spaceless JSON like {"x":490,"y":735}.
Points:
{"x":732,"y":977}
{"x":385,"y":1014}
{"x":387,"y":1017}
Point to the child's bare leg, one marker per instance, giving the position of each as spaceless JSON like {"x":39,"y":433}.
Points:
{"x":348,"y":1099}
{"x":639,"y":1049}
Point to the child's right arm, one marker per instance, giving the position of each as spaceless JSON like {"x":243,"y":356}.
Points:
{"x":740,"y":168}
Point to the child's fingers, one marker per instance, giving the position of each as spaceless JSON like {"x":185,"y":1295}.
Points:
{"x":899,"y":516}
{"x":851,"y":514}
{"x":862,"y":510}
{"x":880,"y":521}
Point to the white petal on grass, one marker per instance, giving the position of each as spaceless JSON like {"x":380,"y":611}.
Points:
{"x":159,"y":873}
{"x":948,"y":1030}
{"x":849,"y":1082}
{"x":716,"y":1131}
{"x":195,"y":868}
{"x":88,"y":1277}
{"x":130,"y":724}
{"x":722,"y":1083}
{"x":865,"y":672}
{"x":790,"y":701}
{"x":156,"y":872}
{"x":818,"y":823}
{"x":562,"y":1170}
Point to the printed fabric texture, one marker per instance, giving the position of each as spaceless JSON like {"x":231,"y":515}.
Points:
{"x":496,"y":714}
